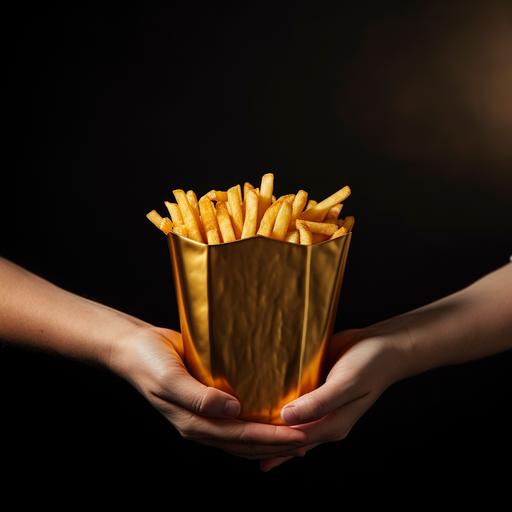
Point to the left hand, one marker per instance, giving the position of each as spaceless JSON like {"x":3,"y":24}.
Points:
{"x":364,"y":366}
{"x":151,"y":359}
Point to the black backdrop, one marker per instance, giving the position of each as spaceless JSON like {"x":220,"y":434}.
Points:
{"x":109,"y":110}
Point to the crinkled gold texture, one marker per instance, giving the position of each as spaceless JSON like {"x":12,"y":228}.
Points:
{"x":256,"y":315}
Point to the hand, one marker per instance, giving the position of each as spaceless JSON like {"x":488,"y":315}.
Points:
{"x":364,"y":366}
{"x":150,"y":359}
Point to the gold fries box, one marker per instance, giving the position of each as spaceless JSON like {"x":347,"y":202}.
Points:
{"x":256,"y":315}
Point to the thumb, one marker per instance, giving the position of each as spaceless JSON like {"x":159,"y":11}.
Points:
{"x":183,"y":390}
{"x":323,"y":400}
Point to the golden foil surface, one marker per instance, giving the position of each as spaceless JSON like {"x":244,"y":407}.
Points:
{"x":256,"y":315}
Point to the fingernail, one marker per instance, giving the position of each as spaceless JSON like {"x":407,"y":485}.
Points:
{"x":289,"y":415}
{"x":232,"y":408}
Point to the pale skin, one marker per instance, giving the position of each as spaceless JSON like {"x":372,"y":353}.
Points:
{"x":470,"y":324}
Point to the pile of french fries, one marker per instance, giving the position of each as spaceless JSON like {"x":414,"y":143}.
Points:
{"x":225,"y":216}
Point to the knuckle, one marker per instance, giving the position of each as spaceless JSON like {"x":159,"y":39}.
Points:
{"x":204,"y":401}
{"x":199,"y":402}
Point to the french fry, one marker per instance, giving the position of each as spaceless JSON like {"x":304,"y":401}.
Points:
{"x":180,"y":230}
{"x":339,"y":232}
{"x":299,"y":201}
{"x":174,"y":212}
{"x":187,"y":212}
{"x":209,"y":219}
{"x":266,"y":189}
{"x":239,"y":191}
{"x":166,"y":225}
{"x":213,"y":237}
{"x":217,"y":195}
{"x":155,"y":218}
{"x":192,"y":199}
{"x":348,"y":223}
{"x":319,"y":238}
{"x":247,"y":186}
{"x":292,"y":236}
{"x":251,"y":214}
{"x":268,"y":219}
{"x":224,"y":221}
{"x":162,"y":223}
{"x":323,"y":228}
{"x":334,"y":211}
{"x":287,"y":197}
{"x":221,"y":195}
{"x":305,"y":235}
{"x":282,"y":221}
{"x":242,"y":212}
{"x":321,"y":216}
{"x":316,"y":212}
{"x":235,"y":206}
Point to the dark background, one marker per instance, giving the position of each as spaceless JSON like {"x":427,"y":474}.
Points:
{"x":107,"y":111}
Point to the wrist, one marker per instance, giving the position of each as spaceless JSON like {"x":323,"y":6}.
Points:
{"x":119,"y":344}
{"x":386,"y":353}
{"x":409,"y":345}
{"x":400,"y":347}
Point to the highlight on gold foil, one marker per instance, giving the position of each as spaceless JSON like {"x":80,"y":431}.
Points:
{"x":221,"y":217}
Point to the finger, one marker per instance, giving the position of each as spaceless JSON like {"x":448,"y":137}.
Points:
{"x":271,"y":463}
{"x":336,"y":425}
{"x":267,"y":465}
{"x":235,"y":431}
{"x":259,"y":453}
{"x":182,"y":389}
{"x":336,"y":392}
{"x":253,"y":451}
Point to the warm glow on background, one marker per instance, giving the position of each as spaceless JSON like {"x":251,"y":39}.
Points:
{"x":436,"y":87}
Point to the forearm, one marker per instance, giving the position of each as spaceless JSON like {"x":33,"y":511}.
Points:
{"x":36,"y":313}
{"x":470,"y":324}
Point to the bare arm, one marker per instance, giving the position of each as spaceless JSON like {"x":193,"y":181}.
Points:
{"x":472,"y":323}
{"x":37,"y":313}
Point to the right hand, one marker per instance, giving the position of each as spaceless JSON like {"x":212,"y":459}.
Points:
{"x":362,"y":366}
{"x":151,"y":359}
